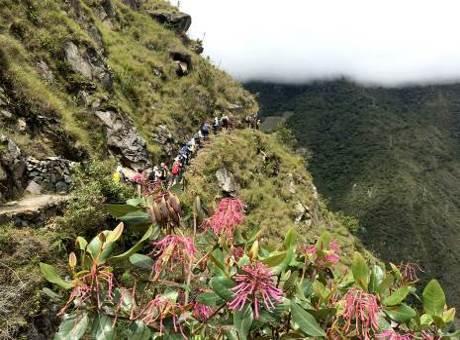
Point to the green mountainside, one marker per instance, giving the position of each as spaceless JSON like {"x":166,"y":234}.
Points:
{"x":388,"y":156}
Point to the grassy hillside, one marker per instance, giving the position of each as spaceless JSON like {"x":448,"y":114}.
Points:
{"x":134,"y":72}
{"x":390,"y":157}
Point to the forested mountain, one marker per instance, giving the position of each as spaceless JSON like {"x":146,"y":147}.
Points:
{"x":390,"y":157}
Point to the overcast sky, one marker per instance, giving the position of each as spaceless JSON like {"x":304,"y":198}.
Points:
{"x":388,"y":42}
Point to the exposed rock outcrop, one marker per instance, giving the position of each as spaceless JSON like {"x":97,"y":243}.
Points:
{"x":177,"y":21}
{"x":226,"y":181}
{"x":12,"y":169}
{"x":124,"y":141}
{"x":183,"y":61}
{"x":164,"y":137}
{"x":89,"y":63}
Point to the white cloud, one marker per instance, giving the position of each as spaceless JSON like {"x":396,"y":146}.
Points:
{"x":388,"y":42}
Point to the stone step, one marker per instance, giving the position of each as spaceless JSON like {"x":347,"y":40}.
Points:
{"x":33,"y":209}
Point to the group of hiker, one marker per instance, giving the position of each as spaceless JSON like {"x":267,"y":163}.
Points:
{"x":170,"y":176}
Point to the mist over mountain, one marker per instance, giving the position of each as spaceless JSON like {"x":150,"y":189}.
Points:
{"x":386,"y":43}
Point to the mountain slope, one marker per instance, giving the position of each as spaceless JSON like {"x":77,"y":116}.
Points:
{"x":390,"y":157}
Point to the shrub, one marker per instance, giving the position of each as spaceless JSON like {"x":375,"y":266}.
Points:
{"x":193,"y":283}
{"x":93,"y":187}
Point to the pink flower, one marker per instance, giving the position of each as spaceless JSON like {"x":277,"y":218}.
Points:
{"x":237,"y":253}
{"x":229,"y":214}
{"x":257,"y":285}
{"x":201,"y":312}
{"x":172,"y":249}
{"x":362,"y":309}
{"x":138,"y":178}
{"x":324,"y":257}
{"x":391,"y":334}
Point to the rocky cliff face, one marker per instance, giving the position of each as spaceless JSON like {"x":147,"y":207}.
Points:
{"x":87,"y":79}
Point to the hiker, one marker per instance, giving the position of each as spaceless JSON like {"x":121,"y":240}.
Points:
{"x":156,"y":173}
{"x":225,"y":122}
{"x":164,"y":172}
{"x":184,"y":153}
{"x":197,"y":137}
{"x":258,"y":122}
{"x":118,"y":176}
{"x":216,"y":125}
{"x":191,"y":146}
{"x":176,"y":171}
{"x":205,"y":130}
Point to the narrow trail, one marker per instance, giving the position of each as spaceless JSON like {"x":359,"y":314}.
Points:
{"x":32,"y":209}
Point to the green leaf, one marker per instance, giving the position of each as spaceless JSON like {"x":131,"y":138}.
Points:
{"x":290,"y":239}
{"x":115,"y":234}
{"x":221,"y":286}
{"x":95,"y":246}
{"x":103,"y":328}
{"x":275,"y":260}
{"x":73,"y":327}
{"x":396,"y":297}
{"x":402,"y":313}
{"x":119,"y":210}
{"x":135,"y":202}
{"x":151,"y":231}
{"x":51,"y":275}
{"x":242,"y":320}
{"x":141,"y":261}
{"x":434,"y":299}
{"x":323,"y":241}
{"x":306,"y":322}
{"x":139,"y":331}
{"x":377,"y":277}
{"x":209,"y":299}
{"x":360,"y":270}
{"x":139,"y":217}
{"x":81,"y":242}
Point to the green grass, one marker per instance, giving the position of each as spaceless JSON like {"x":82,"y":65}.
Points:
{"x":270,"y":202}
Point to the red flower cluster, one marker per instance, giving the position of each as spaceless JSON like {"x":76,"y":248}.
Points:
{"x":255,"y":284}
{"x":201,"y":312}
{"x":172,"y":249}
{"x":324,"y":257}
{"x":362,"y":309}
{"x":229,"y":214}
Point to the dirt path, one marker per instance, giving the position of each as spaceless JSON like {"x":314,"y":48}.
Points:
{"x":32,"y":209}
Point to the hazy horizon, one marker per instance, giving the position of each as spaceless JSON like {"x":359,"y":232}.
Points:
{"x":387,"y":43}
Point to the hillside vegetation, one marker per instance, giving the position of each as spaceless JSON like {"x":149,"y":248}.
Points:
{"x":390,"y":157}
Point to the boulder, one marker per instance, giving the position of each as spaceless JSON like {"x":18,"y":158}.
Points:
{"x":124,"y":141}
{"x":183,"y":61}
{"x":226,"y":181}
{"x":89,"y":63}
{"x":302,"y":214}
{"x":34,"y":188}
{"x":44,"y":71}
{"x":177,"y":21}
